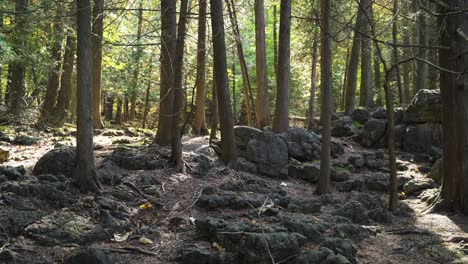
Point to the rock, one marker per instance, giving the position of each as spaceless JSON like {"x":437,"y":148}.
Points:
{"x":4,"y":155}
{"x":64,"y":227}
{"x":417,"y":185}
{"x":355,"y":211}
{"x":302,"y":145}
{"x":426,"y":107}
{"x":132,"y":159}
{"x":436,"y":171}
{"x":421,"y":138}
{"x":343,"y":127}
{"x":373,"y":133}
{"x":309,"y":171}
{"x":92,"y":256}
{"x":57,"y":161}
{"x":25,"y":140}
{"x":360,"y":115}
{"x":269,"y":152}
{"x":379,"y":113}
{"x":377,"y":182}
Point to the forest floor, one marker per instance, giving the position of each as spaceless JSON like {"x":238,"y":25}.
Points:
{"x":153,"y":215}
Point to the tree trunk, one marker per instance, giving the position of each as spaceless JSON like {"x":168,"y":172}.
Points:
{"x":176,"y":141}
{"x":199,"y":126}
{"x":395,"y":53}
{"x":85,"y":171}
{"x":64,"y":97}
{"x":326,"y":95}
{"x":245,"y":72}
{"x":18,"y":69}
{"x":350,"y":98}
{"x":136,"y":71}
{"x":54,"y":75}
{"x":313,"y":84}
{"x":118,"y":113}
{"x":281,"y":122}
{"x":367,"y":96}
{"x":97,"y":31}
{"x":168,"y":37}
{"x":263,"y":109}
{"x":454,"y":90}
{"x":222,"y":84}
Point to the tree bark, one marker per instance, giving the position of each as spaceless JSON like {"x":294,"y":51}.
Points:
{"x":168,"y":37}
{"x":263,"y":109}
{"x":367,"y":96}
{"x":281,"y":121}
{"x":199,"y":126}
{"x":64,"y":97}
{"x":176,"y":141}
{"x":326,"y":95}
{"x":97,"y":31}
{"x":313,"y":84}
{"x":350,"y":98}
{"x":222,"y":84}
{"x":85,"y":171}
{"x":136,"y":71}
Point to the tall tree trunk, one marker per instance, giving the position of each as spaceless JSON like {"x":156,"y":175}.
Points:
{"x":222,"y":84}
{"x":350,"y":98}
{"x":118,"y":113}
{"x":454,"y":90}
{"x":64,"y":97}
{"x":85,"y":171}
{"x":367,"y":95}
{"x":240,"y":53}
{"x":54,"y":75}
{"x":168,"y":37}
{"x":313,"y":84}
{"x":281,"y":122}
{"x":422,"y":69}
{"x":263,"y":109}
{"x":136,"y":71}
{"x":326,"y":95}
{"x":176,"y":141}
{"x":18,"y":69}
{"x":395,"y":52}
{"x":97,"y":30}
{"x":199,"y":126}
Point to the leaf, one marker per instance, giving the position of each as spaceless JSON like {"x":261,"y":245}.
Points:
{"x":146,"y":206}
{"x":121,"y":237}
{"x":145,"y":241}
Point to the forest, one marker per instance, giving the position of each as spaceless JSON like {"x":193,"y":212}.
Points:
{"x":233,"y":131}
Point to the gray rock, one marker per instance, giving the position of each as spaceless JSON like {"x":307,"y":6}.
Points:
{"x":426,"y":107}
{"x":92,"y":256}
{"x":373,"y":133}
{"x":57,"y":161}
{"x":269,"y":152}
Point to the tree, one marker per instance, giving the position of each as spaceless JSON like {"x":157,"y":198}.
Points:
{"x":85,"y":171}
{"x":281,"y":121}
{"x":222,"y":84}
{"x":97,"y":30}
{"x":326,"y":93}
{"x":263,"y":109}
{"x":199,"y":125}
{"x":168,"y":48}
{"x":178,"y":90}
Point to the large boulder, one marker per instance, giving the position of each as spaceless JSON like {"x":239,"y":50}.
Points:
{"x":422,"y":138}
{"x":425,"y":108}
{"x":302,"y":145}
{"x":269,"y":152}
{"x":373,"y":133}
{"x":57,"y":161}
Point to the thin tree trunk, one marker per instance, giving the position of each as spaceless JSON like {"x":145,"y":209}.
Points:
{"x":245,"y":73}
{"x":350,"y":98}
{"x":176,"y":141}
{"x":97,"y":31}
{"x":326,"y":95}
{"x":366,"y":97}
{"x":85,"y":171}
{"x":263,"y":109}
{"x":313,"y":84}
{"x":136,"y":71}
{"x":281,"y":122}
{"x":168,"y":37}
{"x":222,"y":84}
{"x":199,"y":126}
{"x":64,"y":97}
